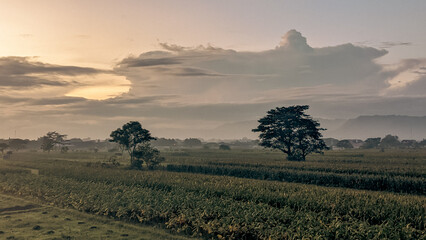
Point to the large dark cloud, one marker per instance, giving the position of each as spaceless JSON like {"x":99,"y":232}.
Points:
{"x":26,"y":72}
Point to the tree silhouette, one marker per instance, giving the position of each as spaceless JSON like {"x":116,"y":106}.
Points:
{"x":50,"y":140}
{"x":3,"y":146}
{"x":130,"y":136}
{"x":292,"y":131}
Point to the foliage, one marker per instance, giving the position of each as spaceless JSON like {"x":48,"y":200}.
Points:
{"x":129,"y":137}
{"x":8,"y":155}
{"x":50,"y":140}
{"x":146,"y":153}
{"x":64,"y":149}
{"x":371,"y":143}
{"x":192,"y":142}
{"x":164,"y":142}
{"x":291,"y":131}
{"x":3,"y":146}
{"x":224,"y":147}
{"x":344,"y":144}
{"x":390,"y":141}
{"x":18,"y":144}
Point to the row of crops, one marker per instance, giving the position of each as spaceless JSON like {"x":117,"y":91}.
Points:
{"x":323,"y":177}
{"x":393,"y":171}
{"x":222,"y":207}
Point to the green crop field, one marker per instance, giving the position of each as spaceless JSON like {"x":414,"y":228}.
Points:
{"x":237,"y":194}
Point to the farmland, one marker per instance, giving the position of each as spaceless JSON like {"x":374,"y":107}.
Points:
{"x":237,"y":194}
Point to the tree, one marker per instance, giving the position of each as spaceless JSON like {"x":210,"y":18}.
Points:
{"x":371,"y":143}
{"x":146,"y":153}
{"x":344,"y":144}
{"x":129,"y":137}
{"x":291,"y":131}
{"x":18,"y":144}
{"x":390,"y":141}
{"x":64,"y":149}
{"x":422,"y":143}
{"x":164,"y":142}
{"x":192,"y":142}
{"x":3,"y":146}
{"x":50,"y":140}
{"x":224,"y":147}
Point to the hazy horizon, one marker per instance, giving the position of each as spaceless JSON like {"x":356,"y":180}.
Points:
{"x":84,"y":68}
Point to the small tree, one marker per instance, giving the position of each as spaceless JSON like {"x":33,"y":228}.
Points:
{"x":224,"y":147}
{"x":390,"y":141}
{"x":3,"y":146}
{"x":192,"y":142}
{"x":130,"y":136}
{"x":146,"y":153}
{"x":346,"y":144}
{"x":291,"y":131}
{"x":18,"y":144}
{"x":422,"y":143}
{"x":371,"y":143}
{"x":50,"y":140}
{"x":64,"y":149}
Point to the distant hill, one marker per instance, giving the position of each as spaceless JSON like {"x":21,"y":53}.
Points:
{"x":362,"y":127}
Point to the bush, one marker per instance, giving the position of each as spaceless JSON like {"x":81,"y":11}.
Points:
{"x":224,"y":147}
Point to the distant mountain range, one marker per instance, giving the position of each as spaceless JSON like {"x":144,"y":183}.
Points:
{"x":405,"y":127}
{"x":362,"y":127}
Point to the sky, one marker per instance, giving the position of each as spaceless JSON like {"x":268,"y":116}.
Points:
{"x":190,"y":68}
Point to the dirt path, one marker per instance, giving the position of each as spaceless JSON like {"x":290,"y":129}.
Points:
{"x":22,"y":219}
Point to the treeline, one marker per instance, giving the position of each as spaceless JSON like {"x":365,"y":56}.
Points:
{"x":389,"y":141}
{"x":17,"y":144}
{"x":76,"y":144}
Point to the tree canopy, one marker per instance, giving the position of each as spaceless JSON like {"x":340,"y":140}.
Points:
{"x":344,"y":144}
{"x":50,"y":140}
{"x":292,"y":131}
{"x":130,"y":137}
{"x":18,"y":144}
{"x":390,"y":141}
{"x":3,"y":146}
{"x":371,"y":143}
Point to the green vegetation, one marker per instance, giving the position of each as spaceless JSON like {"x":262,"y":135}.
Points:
{"x":292,"y":131}
{"x":234,"y":208}
{"x":135,"y":140}
{"x":23,"y":219}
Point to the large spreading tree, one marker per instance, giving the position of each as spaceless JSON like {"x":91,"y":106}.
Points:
{"x":135,"y":139}
{"x":292,"y":131}
{"x":50,"y":140}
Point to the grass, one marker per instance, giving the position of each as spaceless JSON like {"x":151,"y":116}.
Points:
{"x":24,"y":219}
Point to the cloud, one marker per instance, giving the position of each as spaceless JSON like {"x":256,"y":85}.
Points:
{"x":28,"y":77}
{"x":141,"y":62}
{"x":26,"y":65}
{"x":26,"y":35}
{"x":6,"y":100}
{"x":179,"y":89}
{"x":407,"y":78}
{"x":210,"y":74}
{"x":394,"y":44}
{"x":293,"y":40}
{"x":56,"y":101}
{"x":26,"y":72}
